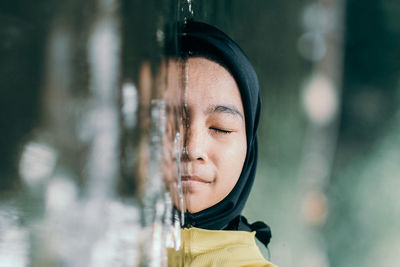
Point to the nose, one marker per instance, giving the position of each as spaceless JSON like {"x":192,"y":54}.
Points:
{"x":194,"y":145}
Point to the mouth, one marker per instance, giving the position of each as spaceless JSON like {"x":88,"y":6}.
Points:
{"x":194,"y":179}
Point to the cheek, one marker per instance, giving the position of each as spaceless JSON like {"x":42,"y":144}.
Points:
{"x":229,"y":160}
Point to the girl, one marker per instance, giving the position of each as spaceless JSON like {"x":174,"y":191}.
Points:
{"x":219,"y":158}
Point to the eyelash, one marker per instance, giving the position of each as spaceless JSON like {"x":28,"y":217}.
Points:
{"x":220,"y":131}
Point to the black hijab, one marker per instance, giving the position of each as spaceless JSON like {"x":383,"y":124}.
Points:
{"x":200,"y":39}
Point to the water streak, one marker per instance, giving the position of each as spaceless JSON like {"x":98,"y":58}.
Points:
{"x":177,"y":142}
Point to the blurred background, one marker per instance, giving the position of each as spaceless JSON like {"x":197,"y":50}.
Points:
{"x":329,"y":137}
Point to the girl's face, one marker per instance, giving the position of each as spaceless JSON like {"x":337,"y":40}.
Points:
{"x":214,"y":143}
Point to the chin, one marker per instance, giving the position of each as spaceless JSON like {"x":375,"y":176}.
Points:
{"x":195,"y":199}
{"x":194,"y":203}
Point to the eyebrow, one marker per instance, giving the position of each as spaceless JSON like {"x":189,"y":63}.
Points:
{"x":224,"y":109}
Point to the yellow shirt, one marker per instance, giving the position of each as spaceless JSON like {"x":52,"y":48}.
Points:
{"x":217,"y":248}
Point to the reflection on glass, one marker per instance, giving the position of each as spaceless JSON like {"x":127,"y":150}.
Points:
{"x":92,"y":191}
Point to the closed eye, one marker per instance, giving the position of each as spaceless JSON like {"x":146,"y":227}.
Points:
{"x":220,"y":131}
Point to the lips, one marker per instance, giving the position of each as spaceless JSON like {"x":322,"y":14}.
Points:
{"x":193,"y":178}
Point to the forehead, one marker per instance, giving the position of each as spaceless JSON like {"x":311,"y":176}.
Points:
{"x":200,"y":66}
{"x":210,"y":83}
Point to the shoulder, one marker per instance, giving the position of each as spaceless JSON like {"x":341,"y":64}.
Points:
{"x":221,"y":248}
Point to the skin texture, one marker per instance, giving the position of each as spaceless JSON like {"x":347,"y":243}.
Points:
{"x":214,"y":134}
